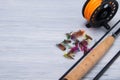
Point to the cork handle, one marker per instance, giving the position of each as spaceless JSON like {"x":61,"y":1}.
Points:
{"x":90,"y":60}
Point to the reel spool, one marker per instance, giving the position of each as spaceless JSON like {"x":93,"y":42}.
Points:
{"x":99,"y":12}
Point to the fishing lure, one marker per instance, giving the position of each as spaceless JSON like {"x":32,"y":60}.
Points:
{"x":84,"y":46}
{"x":87,"y":37}
{"x":75,"y":35}
{"x":64,"y":44}
{"x":61,"y":47}
{"x":77,"y":45}
{"x":73,"y":50}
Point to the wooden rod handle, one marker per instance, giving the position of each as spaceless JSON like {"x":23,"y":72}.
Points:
{"x":90,"y":60}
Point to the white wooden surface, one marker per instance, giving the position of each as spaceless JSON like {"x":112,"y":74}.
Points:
{"x":29,"y":30}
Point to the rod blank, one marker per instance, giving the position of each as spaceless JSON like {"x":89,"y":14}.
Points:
{"x":107,"y":66}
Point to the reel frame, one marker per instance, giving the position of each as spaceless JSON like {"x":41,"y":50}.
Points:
{"x":102,"y":14}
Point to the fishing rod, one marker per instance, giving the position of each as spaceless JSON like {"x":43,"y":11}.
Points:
{"x":67,"y":72}
{"x":92,"y":58}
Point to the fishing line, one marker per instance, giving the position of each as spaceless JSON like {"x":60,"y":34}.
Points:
{"x":99,"y":12}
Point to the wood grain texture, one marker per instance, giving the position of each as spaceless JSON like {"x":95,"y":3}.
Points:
{"x":29,"y":31}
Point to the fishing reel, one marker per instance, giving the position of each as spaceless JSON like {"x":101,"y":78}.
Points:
{"x":99,"y":12}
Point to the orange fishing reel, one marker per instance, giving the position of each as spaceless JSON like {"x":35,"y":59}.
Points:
{"x":99,"y":12}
